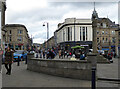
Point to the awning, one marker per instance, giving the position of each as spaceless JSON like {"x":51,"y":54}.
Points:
{"x":113,"y":46}
{"x":75,"y":47}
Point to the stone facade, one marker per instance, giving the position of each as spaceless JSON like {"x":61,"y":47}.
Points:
{"x":16,"y":36}
{"x":50,"y":43}
{"x":106,"y":34}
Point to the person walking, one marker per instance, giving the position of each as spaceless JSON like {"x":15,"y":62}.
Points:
{"x":59,"y":53}
{"x":8,"y":60}
{"x":1,"y":56}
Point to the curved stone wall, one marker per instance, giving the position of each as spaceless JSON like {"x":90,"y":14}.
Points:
{"x":79,"y":69}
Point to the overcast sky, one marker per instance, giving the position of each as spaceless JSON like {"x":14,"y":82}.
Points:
{"x":33,"y":13}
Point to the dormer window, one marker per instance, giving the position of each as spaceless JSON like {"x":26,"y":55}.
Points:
{"x":104,"y":25}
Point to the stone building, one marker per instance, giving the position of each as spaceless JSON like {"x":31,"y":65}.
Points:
{"x":50,"y":43}
{"x":74,"y":32}
{"x":105,"y":33}
{"x":80,"y":32}
{"x":17,"y":36}
{"x":117,"y":44}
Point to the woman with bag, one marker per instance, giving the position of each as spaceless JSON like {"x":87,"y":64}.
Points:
{"x":8,"y":60}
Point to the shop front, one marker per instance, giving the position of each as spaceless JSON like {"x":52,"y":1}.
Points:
{"x":19,"y":47}
{"x":67,"y":45}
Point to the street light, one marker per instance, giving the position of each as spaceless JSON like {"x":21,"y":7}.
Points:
{"x":47,"y":32}
{"x":74,"y":30}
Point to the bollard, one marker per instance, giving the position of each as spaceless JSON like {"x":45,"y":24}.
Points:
{"x":26,"y":60}
{"x":18,"y":62}
{"x":93,"y":77}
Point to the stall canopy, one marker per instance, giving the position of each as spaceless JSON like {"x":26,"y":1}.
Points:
{"x":79,"y":47}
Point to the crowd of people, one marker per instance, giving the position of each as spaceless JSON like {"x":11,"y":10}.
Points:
{"x":64,"y":53}
{"x":51,"y":53}
{"x":48,"y":54}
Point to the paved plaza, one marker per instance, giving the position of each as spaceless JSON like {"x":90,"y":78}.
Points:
{"x":21,"y":77}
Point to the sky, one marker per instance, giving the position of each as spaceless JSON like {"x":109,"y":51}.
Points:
{"x":33,"y":13}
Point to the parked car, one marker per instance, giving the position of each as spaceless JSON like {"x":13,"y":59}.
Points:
{"x":21,"y":53}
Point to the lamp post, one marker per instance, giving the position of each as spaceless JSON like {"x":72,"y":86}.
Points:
{"x":74,"y":31}
{"x":47,"y":32}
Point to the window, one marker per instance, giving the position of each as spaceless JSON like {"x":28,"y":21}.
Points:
{"x":98,"y":24}
{"x":69,"y":33}
{"x":97,"y":32}
{"x":80,"y":34}
{"x":19,"y":39}
{"x":63,"y":35}
{"x":102,"y":32}
{"x":104,"y":25}
{"x":113,"y":32}
{"x":106,"y":39}
{"x":97,"y":39}
{"x":113,"y":39}
{"x":86,"y":33}
{"x":10,"y":39}
{"x":101,"y":24}
{"x":103,"y":40}
{"x":20,"y":31}
{"x":119,"y":33}
{"x":106,"y":32}
{"x":10,"y":32}
{"x":83,"y":33}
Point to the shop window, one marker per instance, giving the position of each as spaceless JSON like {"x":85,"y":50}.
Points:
{"x":102,"y":32}
{"x":113,"y":32}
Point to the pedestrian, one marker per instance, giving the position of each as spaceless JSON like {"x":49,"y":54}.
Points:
{"x":39,"y":52}
{"x":114,"y":54}
{"x":62,"y":53}
{"x":65,"y":53}
{"x":110,"y":57}
{"x":82,"y":56}
{"x":8,"y":60}
{"x":59,"y":53}
{"x":1,"y":56}
{"x":43,"y":54}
